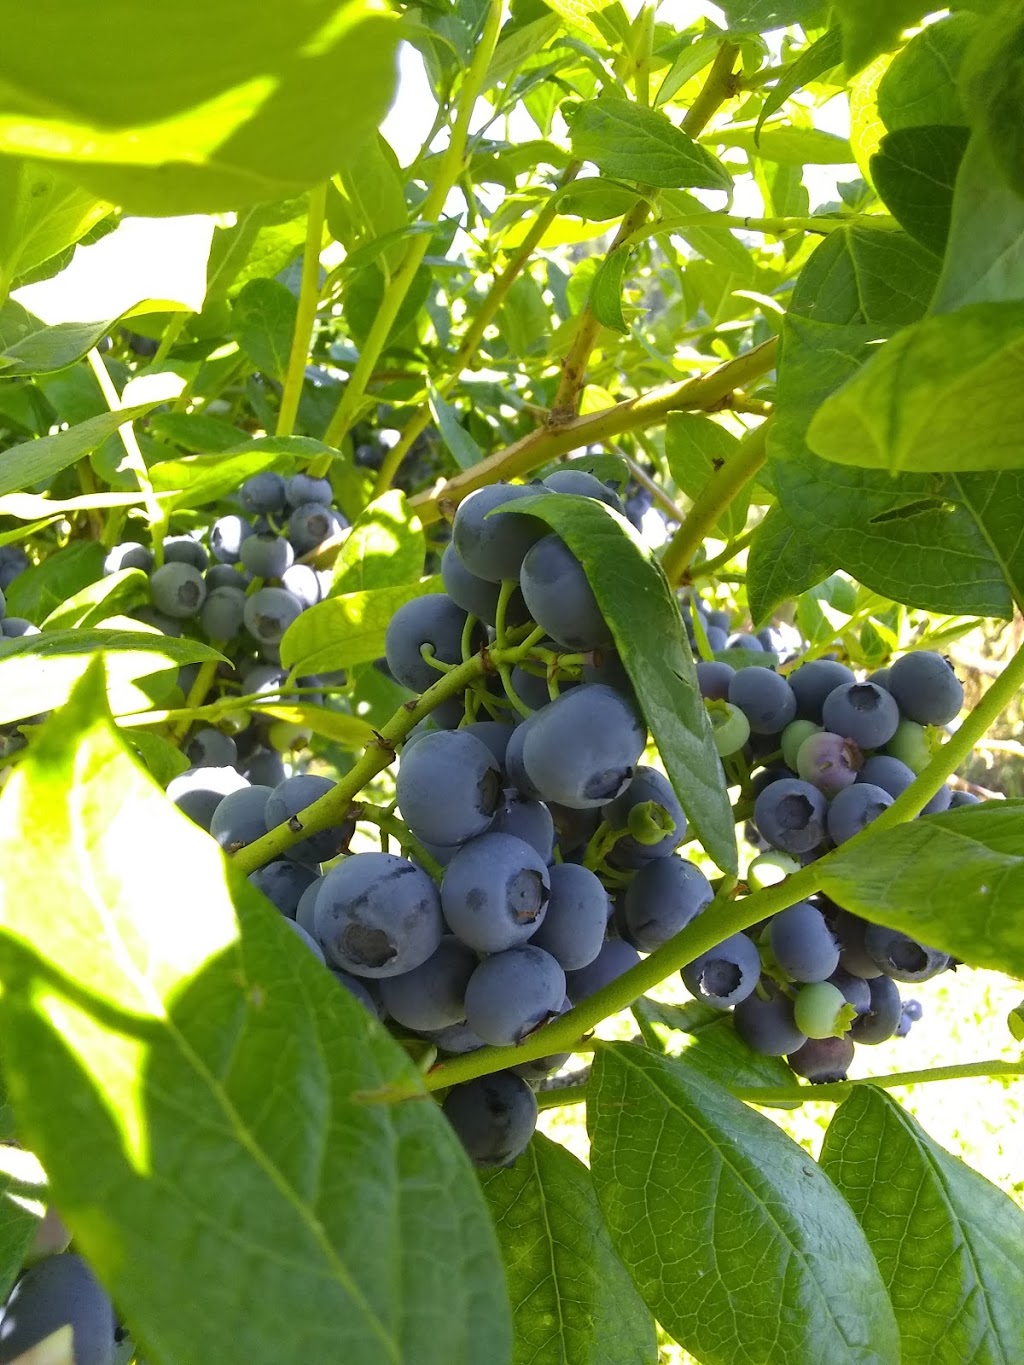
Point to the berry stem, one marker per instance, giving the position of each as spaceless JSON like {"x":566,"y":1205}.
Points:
{"x":389,"y":823}
{"x":194,"y":701}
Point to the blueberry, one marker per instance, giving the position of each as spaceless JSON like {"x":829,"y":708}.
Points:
{"x":664,"y":897}
{"x":605,"y":666}
{"x":14,"y":627}
{"x":856,"y":990}
{"x":198,"y":792}
{"x":268,"y":614}
{"x":267,"y":555}
{"x":744,"y":640}
{"x":823,"y":1061}
{"x":378,"y":915}
{"x":432,"y":995}
{"x":582,"y":749}
{"x":530,"y":688}
{"x":223,"y":613}
{"x":475,"y":595}
{"x":926,"y":688}
{"x":287,"y":802}
{"x":559,"y":597}
{"x":573,"y":828}
{"x":359,"y":987}
{"x":303,"y":583}
{"x":283,"y":883}
{"x":829,"y":762}
{"x":515,"y":768}
{"x":263,"y":493}
{"x":495,"y":734}
{"x":725,"y":974}
{"x":225,"y":576}
{"x":59,"y":1292}
{"x":901,"y":957}
{"x":456,"y":1039}
{"x":573,"y":928}
{"x":863,"y":712}
{"x":127,"y":556}
{"x":311,"y":524}
{"x":853,"y":956}
{"x":178,"y":590}
{"x":883,"y":1013}
{"x":307,"y":938}
{"x":14,"y":561}
{"x":767,"y":1025}
{"x":493,"y":1117}
{"x":615,"y":958}
{"x":854,"y":809}
{"x":791,"y":815}
{"x":305,"y":910}
{"x":730,"y":728}
{"x":813,"y":682}
{"x":793,"y":736}
{"x":302,"y":488}
{"x":210,"y":748}
{"x":648,"y":805}
{"x":582,"y":484}
{"x":495,"y":892}
{"x":765,"y":698}
{"x":449,"y":787}
{"x":494,"y":547}
{"x":185,"y":550}
{"x":882,"y":770}
{"x":432,"y":620}
{"x":524,"y":819}
{"x":821,"y":1010}
{"x":226,"y":537}
{"x":240,"y":818}
{"x":913,"y":745}
{"x":802,"y":943}
{"x":717,"y":639}
{"x":962,"y":798}
{"x":719,"y":620}
{"x":512,"y":994}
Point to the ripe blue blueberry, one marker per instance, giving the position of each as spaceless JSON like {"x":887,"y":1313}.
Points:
{"x":285,"y":805}
{"x":882,"y":770}
{"x":240,"y":818}
{"x":823,"y":1061}
{"x":303,"y":583}
{"x":765,"y":698}
{"x":268,"y":614}
{"x":227,"y":535}
{"x":263,"y":493}
{"x":854,"y":809}
{"x":59,"y":1292}
{"x":434,"y":621}
{"x":648,"y":804}
{"x":126,"y":556}
{"x":512,"y":994}
{"x":725,"y":974}
{"x":198,"y":792}
{"x":493,"y":547}
{"x":713,"y":679}
{"x":524,"y":819}
{"x":432,"y":995}
{"x":267,"y":555}
{"x":813,"y":682}
{"x":790,"y":815}
{"x":863,"y":712}
{"x":615,"y":958}
{"x":582,"y":484}
{"x":767,"y":1025}
{"x":378,"y":915}
{"x":573,"y":928}
{"x":559,"y":597}
{"x":582,"y":749}
{"x":448,"y":787}
{"x":223,"y":613}
{"x":493,"y":1117}
{"x":185,"y":550}
{"x":882,"y":1017}
{"x":902,"y":957}
{"x":178,"y":590}
{"x":283,"y":884}
{"x":302,"y":488}
{"x":664,"y":897}
{"x":802,"y":943}
{"x":926,"y":688}
{"x":311,"y":524}
{"x":210,"y":748}
{"x":495,"y":892}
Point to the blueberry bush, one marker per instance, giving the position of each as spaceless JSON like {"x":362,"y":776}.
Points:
{"x":522,"y":591}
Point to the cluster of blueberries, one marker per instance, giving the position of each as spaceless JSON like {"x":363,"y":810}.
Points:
{"x":834,"y":753}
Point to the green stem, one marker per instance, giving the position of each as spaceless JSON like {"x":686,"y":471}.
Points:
{"x":171,"y":333}
{"x":644,"y":55}
{"x":388,"y":823}
{"x":305,"y":315}
{"x":719,"y":87}
{"x":133,"y":455}
{"x":486,"y":313}
{"x":555,"y":1099}
{"x":716,"y":495}
{"x":196,"y":696}
{"x":771,"y":227}
{"x":838,"y":1091}
{"x":711,"y":566}
{"x":394,"y":295}
{"x":706,"y":392}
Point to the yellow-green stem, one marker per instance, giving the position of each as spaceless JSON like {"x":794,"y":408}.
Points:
{"x":305,"y":316}
{"x":133,"y":455}
{"x":716,"y":495}
{"x":196,"y":696}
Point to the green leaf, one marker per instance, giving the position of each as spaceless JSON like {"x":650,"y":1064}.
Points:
{"x":350,"y":732}
{"x":162,"y":759}
{"x":185,"y":1086}
{"x":606,"y":290}
{"x":31,"y":347}
{"x":204,"y":479}
{"x":859,"y":275}
{"x":261,"y":242}
{"x":783,"y":561}
{"x":981,"y":852}
{"x":914,"y":171}
{"x":39,"y":672}
{"x":941,"y":395}
{"x":458,"y":440}
{"x":760,"y":16}
{"x":384,"y":548}
{"x":920,"y":85}
{"x":41,"y":214}
{"x":695,"y":446}
{"x":737,"y":1241}
{"x":46,"y":586}
{"x":348,"y":629}
{"x":581,"y":14}
{"x":115,"y":595}
{"x":984,"y":259}
{"x":784,"y":142}
{"x":264,"y":320}
{"x":375,"y":190}
{"x":635,"y":143}
{"x":572,"y":1300}
{"x":364,"y":292}
{"x":946,"y":1240}
{"x":703,"y":1038}
{"x":992,"y":85}
{"x":524,"y":318}
{"x":22,"y":1205}
{"x":194,"y":431}
{"x":255,"y":111}
{"x":516,"y":46}
{"x":874,"y":26}
{"x":813,"y":62}
{"x":38,"y":461}
{"x":596,"y":200}
{"x":643,"y":617}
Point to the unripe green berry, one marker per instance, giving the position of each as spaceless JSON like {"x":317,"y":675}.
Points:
{"x":729,"y":725}
{"x":793,"y":736}
{"x":821,"y":1010}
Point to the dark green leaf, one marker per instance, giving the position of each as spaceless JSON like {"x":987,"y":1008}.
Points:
{"x":194,"y":431}
{"x":647,"y":629}
{"x":162,"y":759}
{"x":941,"y":395}
{"x":38,"y":672}
{"x":738,"y":1242}
{"x":572,"y":1300}
{"x":38,"y":461}
{"x":985,"y":252}
{"x":255,"y":111}
{"x":384,"y":548}
{"x":264,"y":319}
{"x":458,"y":440}
{"x":695,"y":446}
{"x":196,"y":1081}
{"x":760,"y":16}
{"x":204,"y":479}
{"x":634,"y":143}
{"x":364,"y":292}
{"x":914,"y":171}
{"x":981,"y":852}
{"x":783,"y":562}
{"x":45,"y":587}
{"x":606,"y":290}
{"x":820,"y":57}
{"x":874,"y":26}
{"x":860,"y":275}
{"x":260,"y":243}
{"x":992,"y":82}
{"x":920,"y":85}
{"x":946,"y":1240}
{"x":115,"y":595}
{"x":347,"y":630}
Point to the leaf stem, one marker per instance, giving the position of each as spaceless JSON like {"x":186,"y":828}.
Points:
{"x":448,"y":173}
{"x":196,"y":696}
{"x":133,"y":454}
{"x":716,"y":495}
{"x":772,"y":227}
{"x":710,"y":567}
{"x":705,"y":392}
{"x":305,"y":316}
